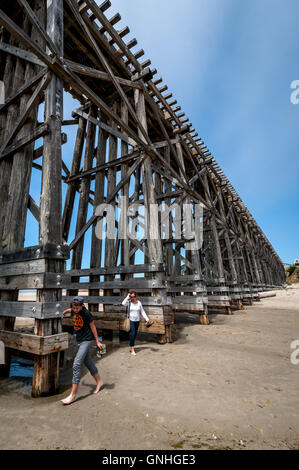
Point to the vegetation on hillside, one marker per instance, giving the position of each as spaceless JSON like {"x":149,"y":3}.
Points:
{"x":292,"y":273}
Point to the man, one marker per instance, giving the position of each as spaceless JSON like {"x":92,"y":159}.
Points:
{"x":85,"y":332}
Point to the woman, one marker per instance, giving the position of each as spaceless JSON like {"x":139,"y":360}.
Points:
{"x":85,"y":332}
{"x":135,"y":308}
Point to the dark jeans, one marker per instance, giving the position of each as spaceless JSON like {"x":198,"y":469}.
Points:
{"x":133,"y":331}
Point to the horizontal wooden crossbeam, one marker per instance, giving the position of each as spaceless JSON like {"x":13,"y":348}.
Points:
{"x":18,"y":145}
{"x":90,"y":72}
{"x":49,"y":250}
{"x":39,"y":345}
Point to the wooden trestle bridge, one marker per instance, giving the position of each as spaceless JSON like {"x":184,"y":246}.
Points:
{"x":133,"y":142}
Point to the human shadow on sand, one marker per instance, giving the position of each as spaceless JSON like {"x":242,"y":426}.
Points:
{"x":140,"y":348}
{"x":104,"y":387}
{"x":82,"y":397}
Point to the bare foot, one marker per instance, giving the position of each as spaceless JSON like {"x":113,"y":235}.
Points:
{"x":68,"y":400}
{"x":98,"y":388}
{"x":133,"y":353}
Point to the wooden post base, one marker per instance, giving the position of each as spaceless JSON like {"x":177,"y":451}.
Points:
{"x":229,"y":311}
{"x":168,"y":336}
{"x":161,"y":339}
{"x":46,"y":375}
{"x":61,"y":359}
{"x":8,"y":325}
{"x":169,"y":332}
{"x":115,"y":337}
{"x":204,"y":319}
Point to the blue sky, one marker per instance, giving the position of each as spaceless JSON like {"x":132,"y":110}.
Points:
{"x":229,"y":64}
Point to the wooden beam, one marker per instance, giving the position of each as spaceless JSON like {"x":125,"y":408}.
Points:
{"x":18,"y":145}
{"x":31,"y":103}
{"x":23,"y":267}
{"x":34,"y":281}
{"x":46,"y":368}
{"x":21,"y":54}
{"x":39,"y":345}
{"x":83,"y":88}
{"x":104,"y":166}
{"x":22,"y":90}
{"x":102,"y":125}
{"x":71,"y":191}
{"x":155,"y":301}
{"x":36,"y":23}
{"x":138,"y":268}
{"x":90,"y":72}
{"x":93,"y":218}
{"x":34,"y":208}
{"x":85,"y":188}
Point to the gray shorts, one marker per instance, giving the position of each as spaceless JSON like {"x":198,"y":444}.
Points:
{"x":83,"y":357}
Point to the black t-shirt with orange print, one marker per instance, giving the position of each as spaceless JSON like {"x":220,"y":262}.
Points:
{"x":81,"y":323}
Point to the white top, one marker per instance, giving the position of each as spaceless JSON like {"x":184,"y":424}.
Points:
{"x":135,"y":310}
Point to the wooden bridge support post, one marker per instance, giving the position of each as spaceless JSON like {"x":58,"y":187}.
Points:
{"x":15,"y":170}
{"x":71,"y":190}
{"x":111,"y":244}
{"x":255,"y":270}
{"x":233,"y":270}
{"x":46,"y":368}
{"x":154,"y":243}
{"x":96,"y":243}
{"x":13,"y":79}
{"x":218,"y":253}
{"x":125,"y":258}
{"x":169,"y":246}
{"x":193,"y":254}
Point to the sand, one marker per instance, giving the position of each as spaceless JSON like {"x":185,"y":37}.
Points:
{"x":228,"y":385}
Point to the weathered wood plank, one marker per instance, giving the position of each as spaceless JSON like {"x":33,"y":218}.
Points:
{"x":186,"y":289}
{"x":39,"y":310}
{"x":49,"y":251}
{"x":19,"y":144}
{"x":35,"y":281}
{"x":21,"y":53}
{"x":34,"y":208}
{"x":46,"y":368}
{"x":24,"y":114}
{"x":114,"y":284}
{"x":22,"y":90}
{"x":71,"y":191}
{"x":102,"y":125}
{"x":96,"y":243}
{"x":84,"y":191}
{"x":198,"y":308}
{"x":82,"y":69}
{"x":186,"y":278}
{"x":156,"y":328}
{"x":185,"y":299}
{"x":26,"y":267}
{"x":117,"y":300}
{"x":39,"y":345}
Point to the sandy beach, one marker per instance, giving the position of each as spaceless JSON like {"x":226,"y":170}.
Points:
{"x":228,"y":385}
